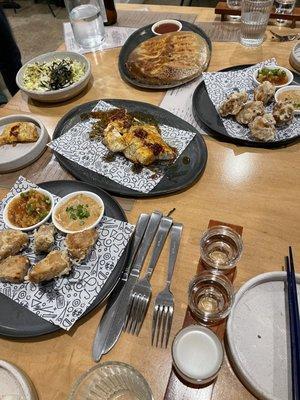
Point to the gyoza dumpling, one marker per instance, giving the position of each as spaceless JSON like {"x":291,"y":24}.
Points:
{"x":283,"y":112}
{"x":12,"y":242}
{"x":14,"y":269}
{"x":44,"y":238}
{"x":233,"y":104}
{"x":264,"y":92}
{"x":263,"y":127}
{"x":250,"y":110}
{"x":56,"y":264}
{"x":79,"y":244}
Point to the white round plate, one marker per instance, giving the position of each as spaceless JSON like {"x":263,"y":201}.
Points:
{"x":258,"y":337}
{"x":19,"y":156}
{"x":14,"y":384}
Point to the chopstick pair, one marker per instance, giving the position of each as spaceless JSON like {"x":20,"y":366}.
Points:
{"x":292,"y":299}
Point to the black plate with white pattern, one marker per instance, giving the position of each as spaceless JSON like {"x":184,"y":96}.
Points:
{"x":180,"y":175}
{"x":208,"y":118}
{"x":140,"y":36}
{"x":17,"y":321}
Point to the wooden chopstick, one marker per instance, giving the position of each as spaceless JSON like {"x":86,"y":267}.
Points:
{"x":294,"y":324}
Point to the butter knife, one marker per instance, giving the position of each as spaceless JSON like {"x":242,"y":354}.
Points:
{"x":111,"y":324}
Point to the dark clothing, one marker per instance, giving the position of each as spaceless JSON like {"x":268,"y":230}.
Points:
{"x":10,"y":57}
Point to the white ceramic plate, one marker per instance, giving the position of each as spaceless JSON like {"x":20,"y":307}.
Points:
{"x":258,"y":338}
{"x":286,"y":89}
{"x":19,"y":156}
{"x":60,"y":94}
{"x":64,"y":199}
{"x":14,"y":384}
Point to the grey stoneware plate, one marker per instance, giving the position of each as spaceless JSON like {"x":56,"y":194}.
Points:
{"x":208,"y":118}
{"x":179,"y":176}
{"x":140,"y":36}
{"x":18,"y":322}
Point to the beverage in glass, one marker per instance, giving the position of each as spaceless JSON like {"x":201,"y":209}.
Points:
{"x":284,"y":7}
{"x":254,"y":20}
{"x":234,"y":4}
{"x":86,"y":20}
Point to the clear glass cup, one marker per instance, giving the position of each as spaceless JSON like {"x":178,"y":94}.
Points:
{"x":221,"y":248}
{"x":284,"y":7}
{"x":210,"y":298}
{"x":87,"y":23}
{"x":234,"y":4}
{"x":254,"y":20}
{"x":111,"y":381}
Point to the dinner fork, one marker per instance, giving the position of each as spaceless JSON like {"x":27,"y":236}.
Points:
{"x":286,"y":38}
{"x":164,"y":302}
{"x":142,"y":290}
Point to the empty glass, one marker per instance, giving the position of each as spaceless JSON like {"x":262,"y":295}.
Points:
{"x":87,"y":23}
{"x":234,"y":4}
{"x":254,"y":20}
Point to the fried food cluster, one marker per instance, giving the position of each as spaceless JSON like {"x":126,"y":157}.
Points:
{"x":80,"y":244}
{"x":19,"y":132}
{"x":262,"y":125}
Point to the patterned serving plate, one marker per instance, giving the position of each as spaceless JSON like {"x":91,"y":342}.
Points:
{"x":17,"y":321}
{"x":181,"y":174}
{"x":208,"y":118}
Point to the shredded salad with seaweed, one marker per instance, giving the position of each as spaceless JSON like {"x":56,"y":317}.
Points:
{"x":52,"y":75}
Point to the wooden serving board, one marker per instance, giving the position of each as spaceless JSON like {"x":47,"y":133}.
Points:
{"x":223,"y":10}
{"x":177,"y":388}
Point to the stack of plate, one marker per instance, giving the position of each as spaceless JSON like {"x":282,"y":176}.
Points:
{"x":295,"y":57}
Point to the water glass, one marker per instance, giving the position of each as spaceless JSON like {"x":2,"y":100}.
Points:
{"x":254,"y":20}
{"x":284,"y":7}
{"x":87,"y":23}
{"x":234,"y":4}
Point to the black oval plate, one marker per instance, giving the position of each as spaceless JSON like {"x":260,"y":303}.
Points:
{"x":18,"y":322}
{"x":207,"y":116}
{"x":179,"y":176}
{"x":140,"y":36}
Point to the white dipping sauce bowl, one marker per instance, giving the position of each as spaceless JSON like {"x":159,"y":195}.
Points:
{"x":166,"y":21}
{"x":197,"y":354}
{"x":286,"y":89}
{"x":287,"y":71}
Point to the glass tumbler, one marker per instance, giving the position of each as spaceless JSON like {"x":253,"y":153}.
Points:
{"x":87,"y":23}
{"x":234,"y":4}
{"x":254,"y":20}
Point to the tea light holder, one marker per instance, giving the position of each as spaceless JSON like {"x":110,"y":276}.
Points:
{"x":210,"y":298}
{"x":221,"y":248}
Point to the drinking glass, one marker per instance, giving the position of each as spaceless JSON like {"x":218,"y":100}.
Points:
{"x":254,"y":20}
{"x":284,"y":7}
{"x":87,"y":23}
{"x":234,"y":4}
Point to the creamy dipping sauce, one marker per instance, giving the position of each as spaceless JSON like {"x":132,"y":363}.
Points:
{"x":78,"y":213}
{"x":292,"y":95}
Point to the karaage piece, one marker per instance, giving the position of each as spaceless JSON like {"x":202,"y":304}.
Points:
{"x":264,"y":92}
{"x":44,"y":238}
{"x":14,"y":269}
{"x":56,"y":264}
{"x":263,"y":127}
{"x":19,"y":132}
{"x":283,"y":112}
{"x":12,"y":242}
{"x":80,"y":244}
{"x":250,"y":110}
{"x":233,"y":104}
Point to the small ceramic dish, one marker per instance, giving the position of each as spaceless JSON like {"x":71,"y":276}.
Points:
{"x":197,"y":354}
{"x":59,"y":94}
{"x":77,"y":212}
{"x":295,"y":57}
{"x":28,"y":228}
{"x":280,"y":92}
{"x":289,"y":74}
{"x":20,"y":155}
{"x":111,"y":380}
{"x":166,"y":26}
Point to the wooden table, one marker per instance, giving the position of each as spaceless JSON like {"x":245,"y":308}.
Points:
{"x":255,"y":188}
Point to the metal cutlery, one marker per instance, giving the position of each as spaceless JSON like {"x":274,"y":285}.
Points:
{"x":142,"y":290}
{"x":111,"y":324}
{"x":164,"y":302}
{"x":286,"y":38}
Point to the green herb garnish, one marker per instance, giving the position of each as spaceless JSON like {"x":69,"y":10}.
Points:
{"x":79,"y":212}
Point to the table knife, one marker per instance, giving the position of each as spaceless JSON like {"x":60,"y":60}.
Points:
{"x":111,"y":324}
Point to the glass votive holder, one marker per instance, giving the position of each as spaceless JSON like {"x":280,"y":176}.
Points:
{"x":197,"y":354}
{"x":210,"y":298}
{"x":221,"y":248}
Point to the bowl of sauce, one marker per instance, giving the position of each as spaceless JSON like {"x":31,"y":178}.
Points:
{"x":278,"y":76}
{"x":166,"y":26}
{"x":28,"y":209}
{"x":290,"y":93}
{"x":197,"y":354}
{"x":77,"y":212}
